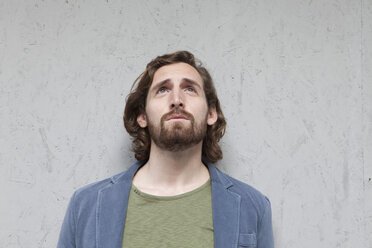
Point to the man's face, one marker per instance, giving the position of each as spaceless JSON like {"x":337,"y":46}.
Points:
{"x":177,"y":113}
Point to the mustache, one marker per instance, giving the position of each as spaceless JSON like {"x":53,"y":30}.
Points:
{"x":177,"y":111}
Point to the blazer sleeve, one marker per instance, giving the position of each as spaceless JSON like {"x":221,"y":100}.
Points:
{"x":265,"y":237}
{"x":68,"y":230}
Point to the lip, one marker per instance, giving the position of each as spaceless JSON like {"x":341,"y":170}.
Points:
{"x":177,"y":117}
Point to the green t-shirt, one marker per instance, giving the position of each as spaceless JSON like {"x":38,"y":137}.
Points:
{"x":183,"y":220}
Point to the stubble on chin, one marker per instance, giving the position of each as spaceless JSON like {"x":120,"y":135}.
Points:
{"x":177,"y":136}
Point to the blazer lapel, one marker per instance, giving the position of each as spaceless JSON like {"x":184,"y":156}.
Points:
{"x":226,"y":209}
{"x":112,"y":210}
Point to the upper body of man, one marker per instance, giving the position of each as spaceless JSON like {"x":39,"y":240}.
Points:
{"x":174,"y":196}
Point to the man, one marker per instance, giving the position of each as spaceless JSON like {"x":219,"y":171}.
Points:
{"x":174,"y":196}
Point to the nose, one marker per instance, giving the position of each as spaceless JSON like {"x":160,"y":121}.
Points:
{"x":177,"y":100}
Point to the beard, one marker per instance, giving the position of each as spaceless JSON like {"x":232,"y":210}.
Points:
{"x":179,"y":135}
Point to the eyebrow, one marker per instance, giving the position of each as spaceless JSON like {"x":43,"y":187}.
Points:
{"x":184,"y":80}
{"x":190,"y":81}
{"x":160,"y":84}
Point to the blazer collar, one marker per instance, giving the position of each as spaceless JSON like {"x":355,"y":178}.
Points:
{"x":113,"y":202}
{"x":226,"y":209}
{"x":112,"y":209}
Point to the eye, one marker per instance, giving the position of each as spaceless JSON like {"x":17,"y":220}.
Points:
{"x":190,"y":89}
{"x":161,"y":90}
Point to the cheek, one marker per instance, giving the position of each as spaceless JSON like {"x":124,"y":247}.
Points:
{"x":201,"y":111}
{"x":153,"y":113}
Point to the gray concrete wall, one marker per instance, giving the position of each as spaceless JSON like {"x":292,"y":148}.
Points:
{"x":294,"y":79}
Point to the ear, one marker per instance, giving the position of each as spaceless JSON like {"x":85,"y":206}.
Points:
{"x":212,"y":115}
{"x":142,"y":120}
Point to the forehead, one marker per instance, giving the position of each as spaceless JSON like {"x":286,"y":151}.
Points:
{"x":177,"y":71}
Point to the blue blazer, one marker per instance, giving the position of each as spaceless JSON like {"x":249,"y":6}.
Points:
{"x":96,"y":213}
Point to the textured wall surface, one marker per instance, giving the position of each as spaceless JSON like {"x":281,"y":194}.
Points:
{"x":294,"y":79}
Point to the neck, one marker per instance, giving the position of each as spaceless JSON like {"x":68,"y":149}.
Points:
{"x":167,"y":173}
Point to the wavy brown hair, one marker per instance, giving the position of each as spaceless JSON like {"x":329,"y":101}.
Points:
{"x":136,"y":103}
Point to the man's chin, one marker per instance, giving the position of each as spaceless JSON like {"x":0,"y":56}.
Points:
{"x":176,"y":144}
{"x":180,"y":125}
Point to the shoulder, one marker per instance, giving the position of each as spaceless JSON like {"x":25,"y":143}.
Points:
{"x":249,"y":192}
{"x":92,"y":189}
{"x":249,"y":195}
{"x":90,"y":192}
